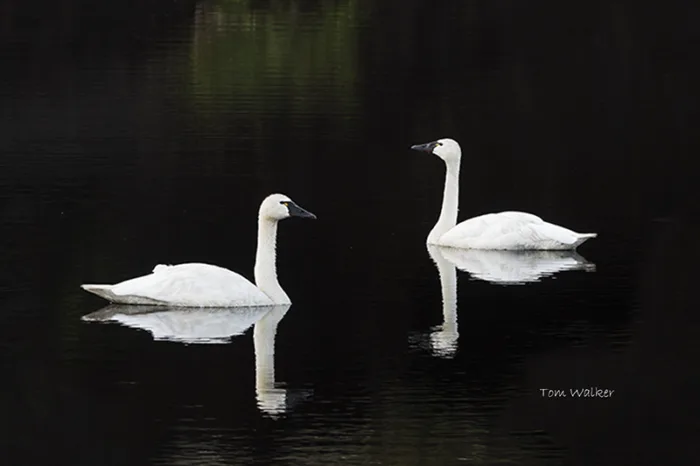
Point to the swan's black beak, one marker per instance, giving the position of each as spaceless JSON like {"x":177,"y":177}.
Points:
{"x":428,"y":147}
{"x":296,"y":211}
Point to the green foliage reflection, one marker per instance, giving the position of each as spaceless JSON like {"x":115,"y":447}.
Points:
{"x":275,"y":60}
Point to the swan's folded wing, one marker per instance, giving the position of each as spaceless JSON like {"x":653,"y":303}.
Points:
{"x":516,"y":234}
{"x":488,"y":224}
{"x":520,"y":218}
{"x":471,"y":228}
{"x":492,"y":230}
{"x":550,"y":232}
{"x":194,"y":285}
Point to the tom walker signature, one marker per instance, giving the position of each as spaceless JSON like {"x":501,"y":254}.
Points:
{"x":591,"y":392}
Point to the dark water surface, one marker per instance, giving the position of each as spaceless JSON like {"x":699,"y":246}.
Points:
{"x":138,"y":133}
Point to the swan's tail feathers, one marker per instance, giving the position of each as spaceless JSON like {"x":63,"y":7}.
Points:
{"x":103,"y":291}
{"x":583,"y":237}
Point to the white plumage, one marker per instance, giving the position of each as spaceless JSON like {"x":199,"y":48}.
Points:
{"x":500,"y":231}
{"x":511,"y":231}
{"x":204,"y":285}
{"x":185,"y":285}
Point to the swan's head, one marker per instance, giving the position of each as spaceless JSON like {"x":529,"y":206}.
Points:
{"x":279,"y":207}
{"x":447,"y":149}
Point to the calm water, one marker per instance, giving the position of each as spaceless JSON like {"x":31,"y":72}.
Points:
{"x":137,"y":134}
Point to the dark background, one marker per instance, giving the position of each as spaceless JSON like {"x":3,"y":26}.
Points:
{"x":137,"y":133}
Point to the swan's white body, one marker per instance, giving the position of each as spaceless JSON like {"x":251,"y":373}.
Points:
{"x":514,"y":267}
{"x":511,"y":231}
{"x":185,"y":285}
{"x":501,"y":231}
{"x":204,"y":285}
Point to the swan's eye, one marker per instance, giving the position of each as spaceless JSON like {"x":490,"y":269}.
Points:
{"x":284,"y":203}
{"x":438,"y":143}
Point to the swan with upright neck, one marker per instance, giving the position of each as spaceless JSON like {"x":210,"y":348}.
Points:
{"x":204,"y":285}
{"x":499,"y":231}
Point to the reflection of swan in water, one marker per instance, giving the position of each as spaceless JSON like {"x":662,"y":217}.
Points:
{"x":214,"y":325}
{"x":514,"y":267}
{"x":271,"y":399}
{"x":184,"y":325}
{"x":443,"y":341}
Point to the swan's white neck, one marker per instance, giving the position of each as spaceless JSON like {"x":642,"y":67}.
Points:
{"x":450,"y":202}
{"x":265,"y":268}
